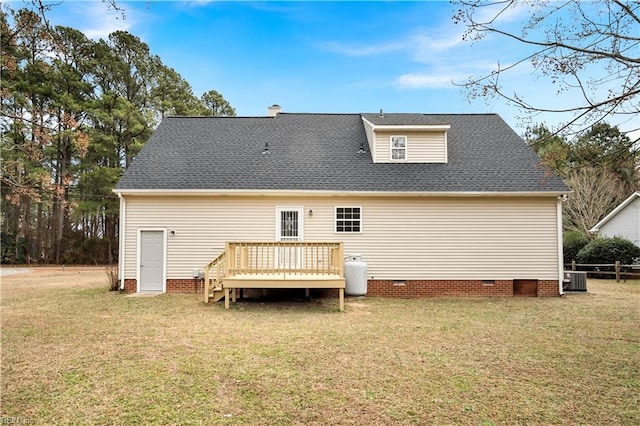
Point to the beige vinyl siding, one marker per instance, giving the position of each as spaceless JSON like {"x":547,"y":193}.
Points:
{"x":422,"y":147}
{"x":401,"y":238}
{"x":625,"y":224}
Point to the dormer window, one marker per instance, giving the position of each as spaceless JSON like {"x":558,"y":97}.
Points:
{"x":398,"y":148}
{"x":390,"y":140}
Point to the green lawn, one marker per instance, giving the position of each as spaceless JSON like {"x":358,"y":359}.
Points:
{"x":73,"y":353}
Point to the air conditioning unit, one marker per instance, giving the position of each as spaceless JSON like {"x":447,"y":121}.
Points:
{"x":574,"y":281}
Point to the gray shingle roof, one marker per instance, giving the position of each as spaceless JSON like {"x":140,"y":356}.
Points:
{"x":320,"y":152}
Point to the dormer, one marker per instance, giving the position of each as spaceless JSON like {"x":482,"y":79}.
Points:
{"x":406,"y":138}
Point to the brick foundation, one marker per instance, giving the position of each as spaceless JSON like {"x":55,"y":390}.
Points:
{"x":548,"y":288}
{"x":130,"y":286}
{"x":388,"y":288}
{"x":435,"y":288}
{"x":189,"y":285}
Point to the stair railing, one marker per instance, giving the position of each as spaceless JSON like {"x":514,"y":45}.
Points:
{"x":214,"y":272}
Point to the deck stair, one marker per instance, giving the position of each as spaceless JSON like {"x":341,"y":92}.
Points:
{"x":274,"y":265}
{"x":213,"y":275}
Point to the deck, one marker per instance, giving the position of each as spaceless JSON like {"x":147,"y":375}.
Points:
{"x":298,"y":264}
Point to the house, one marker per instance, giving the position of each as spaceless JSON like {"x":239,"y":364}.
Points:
{"x":623,"y":221}
{"x":436,"y":204}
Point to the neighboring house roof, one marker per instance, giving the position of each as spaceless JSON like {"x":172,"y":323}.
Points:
{"x":319,"y":152}
{"x":615,"y":212}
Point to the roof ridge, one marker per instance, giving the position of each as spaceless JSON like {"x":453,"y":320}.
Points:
{"x":214,"y":116}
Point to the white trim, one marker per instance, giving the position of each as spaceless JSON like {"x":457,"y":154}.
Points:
{"x":305,"y":193}
{"x":300,"y":211}
{"x":335,"y":220}
{"x":560,"y":244}
{"x":614,"y":212}
{"x":427,"y":127}
{"x":446,"y":148}
{"x":164,"y":256}
{"x":406,"y":149}
{"x":121,"y":240}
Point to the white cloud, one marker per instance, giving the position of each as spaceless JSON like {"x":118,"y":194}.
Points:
{"x":364,"y":50}
{"x":429,"y":80}
{"x":423,"y":81}
{"x":96,"y":21}
{"x":434,"y":41}
{"x":497,"y":12}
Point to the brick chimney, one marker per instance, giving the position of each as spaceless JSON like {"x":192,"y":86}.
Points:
{"x":274,"y":110}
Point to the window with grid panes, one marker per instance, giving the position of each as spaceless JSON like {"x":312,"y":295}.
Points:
{"x":398,"y":148}
{"x":348,"y":219}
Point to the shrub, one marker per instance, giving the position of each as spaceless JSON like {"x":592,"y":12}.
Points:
{"x":573,"y":242}
{"x":112,"y":278}
{"x":608,"y":250}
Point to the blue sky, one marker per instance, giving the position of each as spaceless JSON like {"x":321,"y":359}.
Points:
{"x":321,"y":56}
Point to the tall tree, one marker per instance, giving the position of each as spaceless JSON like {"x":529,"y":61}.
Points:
{"x":553,"y":149}
{"x":217,"y":105}
{"x":73,"y":115}
{"x":587,"y":48}
{"x":605,"y":146}
{"x":71,"y":95}
{"x":27,"y":123}
{"x":172,"y":94}
{"x":599,"y":166}
{"x":594,"y":193}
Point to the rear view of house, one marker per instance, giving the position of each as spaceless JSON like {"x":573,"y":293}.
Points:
{"x":436,"y":204}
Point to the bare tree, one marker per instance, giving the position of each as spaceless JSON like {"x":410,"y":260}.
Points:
{"x":595,"y":192}
{"x":590,"y":49}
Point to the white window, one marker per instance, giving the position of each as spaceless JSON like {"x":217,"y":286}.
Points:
{"x":398,"y":148}
{"x":348,"y":219}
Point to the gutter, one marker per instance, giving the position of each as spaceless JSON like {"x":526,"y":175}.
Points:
{"x":121,"y":239}
{"x":560,"y":245}
{"x":332,"y":193}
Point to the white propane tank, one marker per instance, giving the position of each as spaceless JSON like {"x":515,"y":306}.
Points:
{"x":355,"y":275}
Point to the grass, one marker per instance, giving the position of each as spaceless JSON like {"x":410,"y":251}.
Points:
{"x":74,"y":353}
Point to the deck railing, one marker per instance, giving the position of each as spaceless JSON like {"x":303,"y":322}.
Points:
{"x":286,"y":258}
{"x":214,"y":272}
{"x":271,"y":264}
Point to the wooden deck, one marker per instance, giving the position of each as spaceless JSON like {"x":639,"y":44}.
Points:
{"x":274,"y":265}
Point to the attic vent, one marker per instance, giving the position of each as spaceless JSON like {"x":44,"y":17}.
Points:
{"x":381,"y":115}
{"x":266,"y":149}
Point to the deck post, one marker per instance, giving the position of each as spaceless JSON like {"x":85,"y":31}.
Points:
{"x":342,"y":300}
{"x":340,"y":259}
{"x":226,"y":297}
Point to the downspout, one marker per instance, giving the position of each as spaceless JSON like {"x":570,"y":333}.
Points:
{"x":560,"y":245}
{"x":121,"y":239}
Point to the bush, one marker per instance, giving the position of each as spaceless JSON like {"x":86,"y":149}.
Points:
{"x":112,"y":278}
{"x":573,"y":242}
{"x":609,"y":250}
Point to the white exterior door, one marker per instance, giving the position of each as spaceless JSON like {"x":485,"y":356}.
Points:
{"x":151,"y":263}
{"x":289,"y":221}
